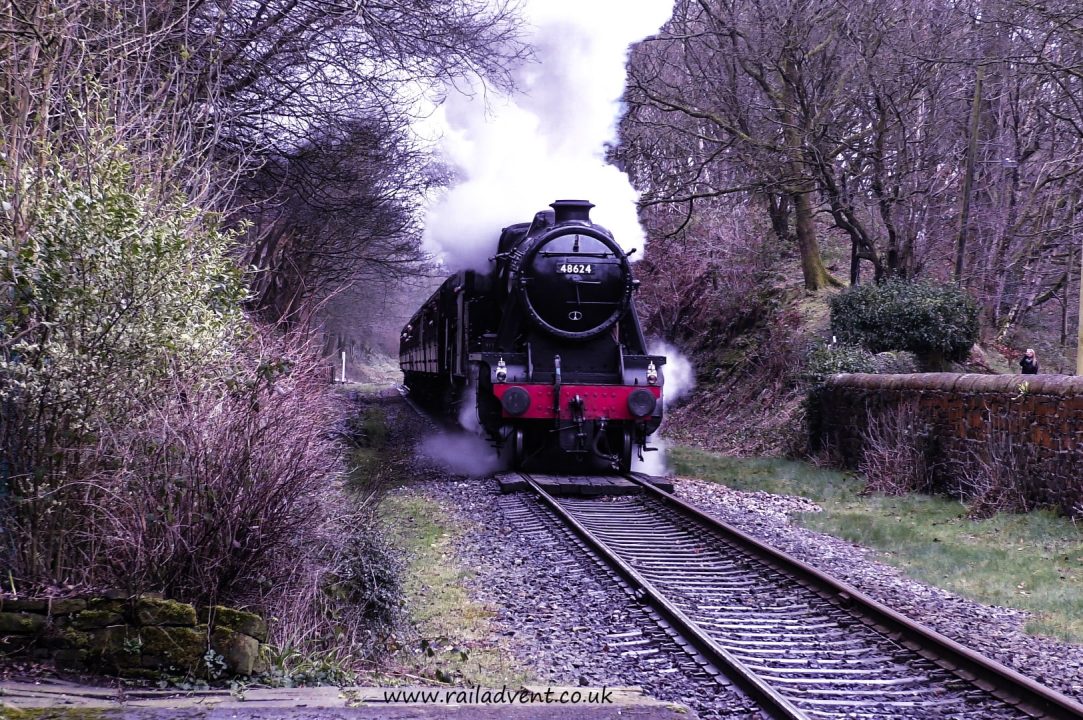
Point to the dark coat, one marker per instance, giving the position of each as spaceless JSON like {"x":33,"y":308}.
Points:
{"x":1029,"y":365}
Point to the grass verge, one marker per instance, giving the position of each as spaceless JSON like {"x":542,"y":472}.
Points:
{"x":453,"y":633}
{"x":1031,"y":561}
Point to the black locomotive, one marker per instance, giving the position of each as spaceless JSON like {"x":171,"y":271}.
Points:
{"x":548,"y":340}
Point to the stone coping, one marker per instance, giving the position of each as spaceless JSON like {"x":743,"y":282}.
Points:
{"x":47,"y":695}
{"x":966,"y":382}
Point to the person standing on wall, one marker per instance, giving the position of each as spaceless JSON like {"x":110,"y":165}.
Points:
{"x":1029,"y":363}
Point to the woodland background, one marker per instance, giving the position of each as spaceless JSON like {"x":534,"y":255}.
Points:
{"x":203,"y":200}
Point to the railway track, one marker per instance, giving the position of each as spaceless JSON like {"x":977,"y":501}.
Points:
{"x":800,"y":643}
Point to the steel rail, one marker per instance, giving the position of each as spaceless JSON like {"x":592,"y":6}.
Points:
{"x":1002,"y":682}
{"x":775,"y":705}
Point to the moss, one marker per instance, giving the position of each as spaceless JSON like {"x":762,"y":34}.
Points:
{"x":11,"y":713}
{"x":177,"y":647}
{"x":113,"y":605}
{"x":114,"y":645}
{"x":238,"y":620}
{"x":96,"y":619}
{"x":67,"y":606}
{"x":20,"y":623}
{"x":152,"y":611}
{"x":76,"y":638}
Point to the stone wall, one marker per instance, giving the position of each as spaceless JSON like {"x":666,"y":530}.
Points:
{"x":143,"y":636}
{"x":967,"y":417}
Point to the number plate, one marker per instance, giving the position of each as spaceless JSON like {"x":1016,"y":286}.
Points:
{"x":575,"y":269}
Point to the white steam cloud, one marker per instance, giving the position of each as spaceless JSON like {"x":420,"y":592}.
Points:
{"x":680,"y":376}
{"x":461,"y":453}
{"x":680,"y":379}
{"x":518,"y":154}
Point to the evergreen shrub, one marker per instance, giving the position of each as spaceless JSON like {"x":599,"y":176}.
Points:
{"x":936,"y":321}
{"x":831,"y":359}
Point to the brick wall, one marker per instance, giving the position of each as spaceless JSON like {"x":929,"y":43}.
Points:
{"x":963,"y":414}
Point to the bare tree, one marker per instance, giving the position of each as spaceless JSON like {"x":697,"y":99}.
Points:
{"x":729,"y":83}
{"x":340,"y":209}
{"x":258,"y":94}
{"x":938,"y":138}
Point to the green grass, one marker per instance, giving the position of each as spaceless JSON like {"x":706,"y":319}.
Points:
{"x":367,"y":460}
{"x":455,"y":632}
{"x":53,"y":713}
{"x":1030,"y":561}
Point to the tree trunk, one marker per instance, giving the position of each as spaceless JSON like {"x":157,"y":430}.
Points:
{"x":1079,"y":325}
{"x":968,"y":174}
{"x":812,"y":264}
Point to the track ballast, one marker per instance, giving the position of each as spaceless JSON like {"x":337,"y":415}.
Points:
{"x":802,"y":644}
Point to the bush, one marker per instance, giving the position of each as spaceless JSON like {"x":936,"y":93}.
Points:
{"x":830,"y":359}
{"x":344,"y":597}
{"x":896,"y":451}
{"x":896,"y":362}
{"x":202,"y":494}
{"x":109,"y":290}
{"x":938,"y":322}
{"x":998,"y":475}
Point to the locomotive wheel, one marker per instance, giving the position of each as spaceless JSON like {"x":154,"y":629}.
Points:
{"x":626,"y":450}
{"x":518,"y":448}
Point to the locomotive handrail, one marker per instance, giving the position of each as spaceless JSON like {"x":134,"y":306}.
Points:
{"x":548,"y":253}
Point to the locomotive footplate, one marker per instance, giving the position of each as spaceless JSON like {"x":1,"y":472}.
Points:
{"x":582,"y":485}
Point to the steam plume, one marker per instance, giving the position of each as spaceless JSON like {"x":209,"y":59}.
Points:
{"x":518,"y":154}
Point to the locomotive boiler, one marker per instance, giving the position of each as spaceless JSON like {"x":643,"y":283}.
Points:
{"x":545,"y":350}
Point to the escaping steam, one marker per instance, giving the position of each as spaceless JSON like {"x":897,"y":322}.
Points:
{"x":680,"y":379}
{"x":517,"y":154}
{"x":461,"y":453}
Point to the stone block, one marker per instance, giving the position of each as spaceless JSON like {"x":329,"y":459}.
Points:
{"x":153,"y":611}
{"x":119,"y":607}
{"x":248,"y":623}
{"x":70,"y":659}
{"x":179,"y":648}
{"x":23,"y":605}
{"x":239,"y":651}
{"x":11,"y":645}
{"x":148,"y":651}
{"x":66,"y":606}
{"x":115,"y":647}
{"x":96,"y":619}
{"x":21,"y":623}
{"x":1044,"y":408}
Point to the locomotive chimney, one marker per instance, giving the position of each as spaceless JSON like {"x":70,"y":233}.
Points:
{"x":566,"y":210}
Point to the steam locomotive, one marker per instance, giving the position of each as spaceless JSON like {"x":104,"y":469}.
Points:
{"x":545,"y":351}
